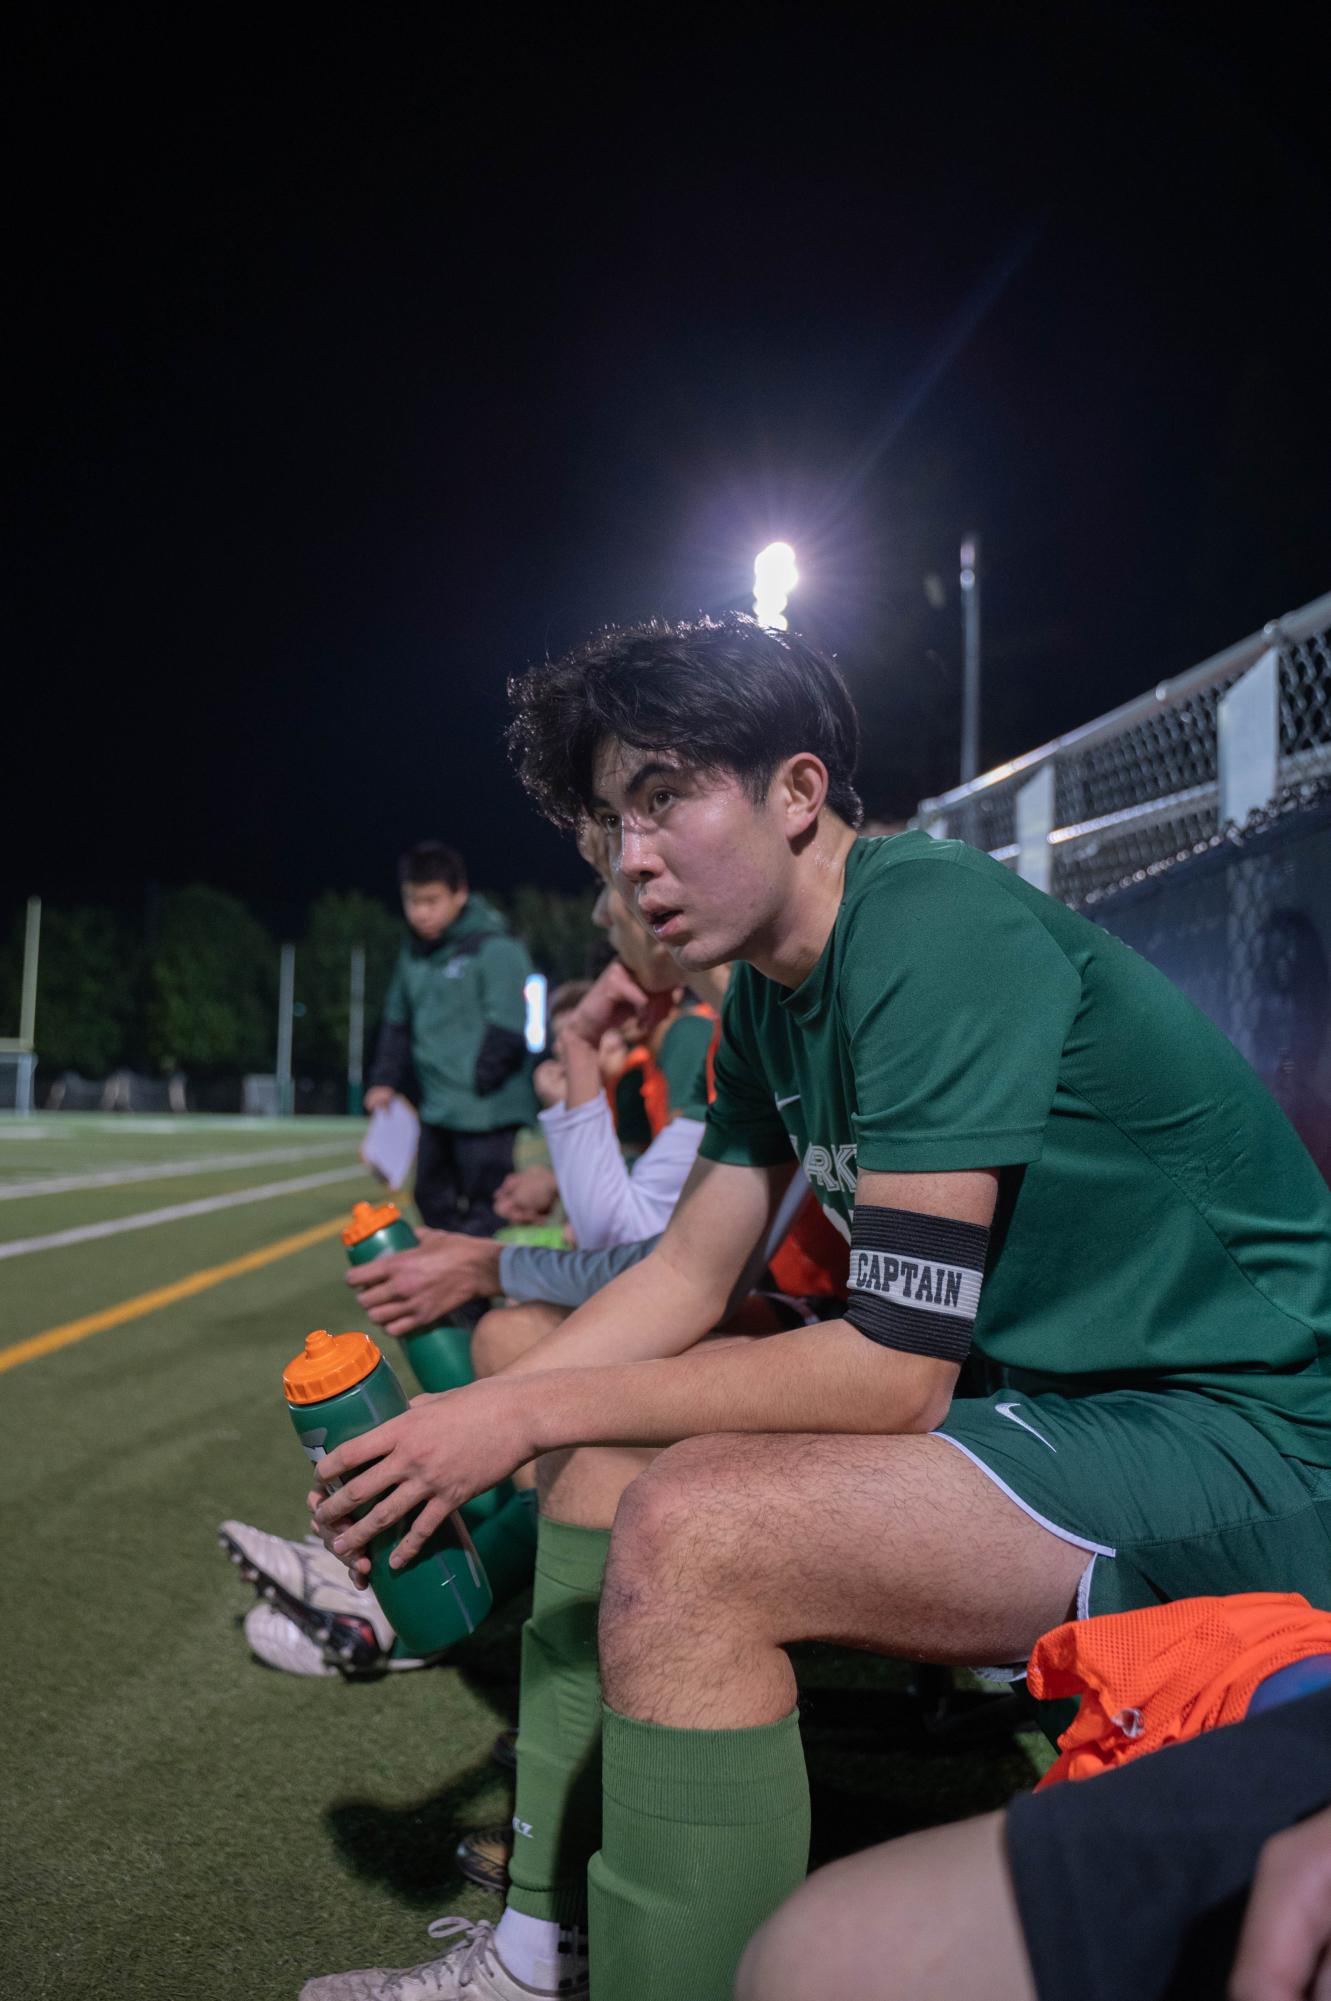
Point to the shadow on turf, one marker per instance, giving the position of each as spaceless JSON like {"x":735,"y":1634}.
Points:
{"x":881,"y":1763}
{"x":410,"y":1849}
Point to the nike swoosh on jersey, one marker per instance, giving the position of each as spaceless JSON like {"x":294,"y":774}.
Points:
{"x":793,"y":1099}
{"x":1009,"y":1410}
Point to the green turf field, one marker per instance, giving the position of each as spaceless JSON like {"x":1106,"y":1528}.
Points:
{"x":180,"y":1821}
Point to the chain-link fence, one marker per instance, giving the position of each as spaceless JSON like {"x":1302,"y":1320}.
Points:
{"x":1244,"y":928}
{"x":1113,"y":800}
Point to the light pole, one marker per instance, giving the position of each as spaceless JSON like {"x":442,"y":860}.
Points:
{"x":24,"y":1050}
{"x":774,"y":578}
{"x":286,"y":1001}
{"x":970,"y":683}
{"x":356,"y":1030}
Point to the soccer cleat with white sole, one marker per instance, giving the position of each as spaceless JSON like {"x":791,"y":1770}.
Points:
{"x":305,"y":1571}
{"x":471,"y":1970}
{"x":313,"y":1591}
{"x":279,"y":1643}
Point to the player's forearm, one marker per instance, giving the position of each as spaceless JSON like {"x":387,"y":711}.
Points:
{"x":828,"y":1378}
{"x":564,"y":1278}
{"x":589,"y":1167}
{"x":604,"y":1202}
{"x":582,"y":1069}
{"x":649,"y":1311}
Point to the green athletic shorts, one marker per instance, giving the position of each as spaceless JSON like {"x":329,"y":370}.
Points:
{"x":1171,"y":1494}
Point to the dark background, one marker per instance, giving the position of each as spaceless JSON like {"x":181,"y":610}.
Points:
{"x":363,"y":360}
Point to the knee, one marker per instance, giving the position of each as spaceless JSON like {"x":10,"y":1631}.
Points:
{"x":671,"y":1522}
{"x":659,"y":1499}
{"x":491,"y":1341}
{"x":774,"y":1965}
{"x":506,"y":1332}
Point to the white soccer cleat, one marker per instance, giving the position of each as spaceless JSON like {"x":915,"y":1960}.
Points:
{"x":304,"y":1572}
{"x":279,"y":1643}
{"x":471,"y":1970}
{"x":312,"y":1590}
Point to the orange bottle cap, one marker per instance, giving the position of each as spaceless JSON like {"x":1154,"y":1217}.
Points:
{"x":331,"y":1362}
{"x":367,"y":1218}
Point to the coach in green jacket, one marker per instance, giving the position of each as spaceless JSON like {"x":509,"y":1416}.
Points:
{"x":453,"y":1041}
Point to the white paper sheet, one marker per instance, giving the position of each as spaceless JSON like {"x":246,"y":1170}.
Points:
{"x":389,"y":1146}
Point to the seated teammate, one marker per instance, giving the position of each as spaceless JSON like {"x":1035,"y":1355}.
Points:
{"x":1035,"y":1143}
{"x":605,"y":1201}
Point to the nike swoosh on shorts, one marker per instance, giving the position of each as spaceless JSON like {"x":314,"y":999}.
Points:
{"x":793,"y":1099}
{"x":1009,"y":1410}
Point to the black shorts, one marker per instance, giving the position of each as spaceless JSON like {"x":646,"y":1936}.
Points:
{"x":1132,"y":1886}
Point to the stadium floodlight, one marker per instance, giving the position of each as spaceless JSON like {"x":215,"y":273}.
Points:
{"x":774,"y":578}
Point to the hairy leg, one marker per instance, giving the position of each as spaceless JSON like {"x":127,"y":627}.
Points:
{"x":931,"y":1914}
{"x":727,"y":1548}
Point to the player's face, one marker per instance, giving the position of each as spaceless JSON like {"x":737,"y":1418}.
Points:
{"x":430,"y":907}
{"x":706,"y":868}
{"x":650,"y":964}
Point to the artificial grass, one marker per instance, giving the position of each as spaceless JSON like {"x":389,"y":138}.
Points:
{"x":180,"y":1821}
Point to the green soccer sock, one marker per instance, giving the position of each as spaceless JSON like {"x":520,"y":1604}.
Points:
{"x":506,"y":1544}
{"x":706,"y":1833}
{"x":557,"y":1822}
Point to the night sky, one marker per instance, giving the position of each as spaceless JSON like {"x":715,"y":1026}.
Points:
{"x":366,"y":355}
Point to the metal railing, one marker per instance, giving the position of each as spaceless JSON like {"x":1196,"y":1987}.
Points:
{"x":1163,"y":774}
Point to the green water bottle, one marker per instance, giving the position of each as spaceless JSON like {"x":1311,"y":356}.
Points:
{"x":339,"y":1387}
{"x":440,"y":1356}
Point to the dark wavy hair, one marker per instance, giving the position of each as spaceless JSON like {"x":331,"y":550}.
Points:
{"x":432,"y":861}
{"x":724,"y":694}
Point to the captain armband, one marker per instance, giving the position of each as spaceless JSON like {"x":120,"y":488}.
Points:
{"x":915,"y":1280}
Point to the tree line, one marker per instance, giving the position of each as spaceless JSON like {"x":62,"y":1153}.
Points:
{"x":194,"y":987}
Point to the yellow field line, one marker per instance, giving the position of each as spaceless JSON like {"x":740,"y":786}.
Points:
{"x":164,"y":1295}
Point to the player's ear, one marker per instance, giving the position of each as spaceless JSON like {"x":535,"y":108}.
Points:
{"x":800,"y":787}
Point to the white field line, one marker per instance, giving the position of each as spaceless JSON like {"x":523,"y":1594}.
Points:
{"x":146,"y":1218}
{"x":117,"y":1177}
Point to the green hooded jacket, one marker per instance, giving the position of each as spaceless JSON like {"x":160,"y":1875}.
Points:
{"x":456,"y":1016}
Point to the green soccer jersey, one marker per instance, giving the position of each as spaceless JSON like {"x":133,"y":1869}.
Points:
{"x":683,"y":1063}
{"x":1159,"y":1222}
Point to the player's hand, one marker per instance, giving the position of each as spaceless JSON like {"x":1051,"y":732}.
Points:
{"x":527,"y":1195}
{"x":408,"y":1290}
{"x":550,"y":1085}
{"x":1285,"y":1947}
{"x":614,"y":999}
{"x":437,"y":1455}
{"x":378,"y":1096}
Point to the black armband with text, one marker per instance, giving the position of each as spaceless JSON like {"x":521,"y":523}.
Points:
{"x":915,"y":1280}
